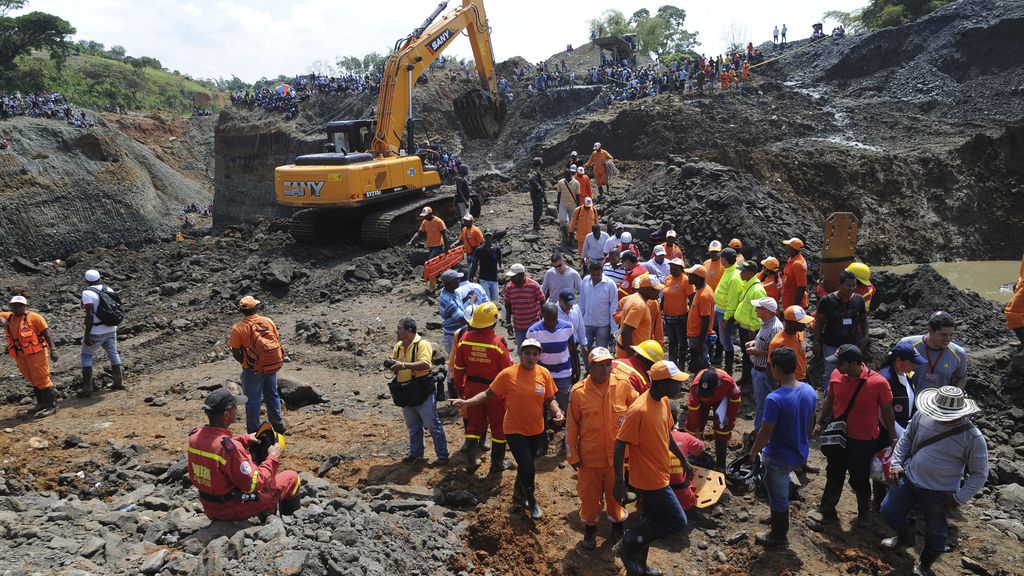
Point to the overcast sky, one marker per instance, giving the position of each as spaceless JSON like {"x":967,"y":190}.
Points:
{"x":264,"y":38}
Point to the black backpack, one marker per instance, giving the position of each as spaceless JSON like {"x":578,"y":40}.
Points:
{"x":110,"y":310}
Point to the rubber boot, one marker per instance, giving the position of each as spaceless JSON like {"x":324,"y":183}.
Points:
{"x":717,"y":359}
{"x":118,"y":374}
{"x":630,"y":558}
{"x":642,"y":558}
{"x":721,"y":453}
{"x":289,"y":506}
{"x":779,"y":534}
{"x":40,"y":401}
{"x":828,"y":518}
{"x":589,"y":537}
{"x":903,"y":538}
{"x":87,"y":388}
{"x":484,"y":444}
{"x":618,"y":530}
{"x":924,"y":564}
{"x":50,"y":408}
{"x":730,"y":359}
{"x":497,"y":459}
{"x":472,"y":457}
{"x":864,"y":510}
{"x":278,"y":425}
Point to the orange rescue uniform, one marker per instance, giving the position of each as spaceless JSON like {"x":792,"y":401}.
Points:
{"x":1015,"y":307}
{"x":220,"y":467}
{"x":715,"y":269}
{"x":583,"y":220}
{"x":796,"y":343}
{"x":526,"y":392}
{"x":634,"y":371}
{"x":772,"y":284}
{"x":585,"y":190}
{"x":675,"y":296}
{"x":675,"y":252}
{"x":477,"y":358}
{"x":794,"y":277}
{"x":637,"y":314}
{"x":471,"y":238}
{"x":598,"y":158}
{"x":595,"y":415}
{"x":27,"y":346}
{"x":434,"y":229}
{"x":646,"y":430}
{"x":700,"y":408}
{"x":689,"y":445}
{"x":703,"y":305}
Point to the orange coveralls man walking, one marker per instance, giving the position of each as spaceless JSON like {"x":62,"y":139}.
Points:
{"x":29,"y":343}
{"x":597,"y":408}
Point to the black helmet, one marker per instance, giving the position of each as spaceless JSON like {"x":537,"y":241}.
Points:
{"x":463,"y":169}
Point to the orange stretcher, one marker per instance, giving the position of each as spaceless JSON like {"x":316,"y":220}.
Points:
{"x":435,"y":266}
{"x":708,"y":486}
{"x":840,"y":240}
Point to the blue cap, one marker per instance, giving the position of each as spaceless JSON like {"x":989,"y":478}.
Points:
{"x":568,"y":295}
{"x":905,"y":351}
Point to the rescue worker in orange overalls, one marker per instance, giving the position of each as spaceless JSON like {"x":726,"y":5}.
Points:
{"x":598,"y":158}
{"x":681,"y":473}
{"x":746,"y":71}
{"x":597,"y":407}
{"x":710,"y":389}
{"x":231,"y":486}
{"x":1015,"y":308}
{"x":583,"y":220}
{"x":585,"y":190}
{"x":478,"y":357}
{"x":29,"y":343}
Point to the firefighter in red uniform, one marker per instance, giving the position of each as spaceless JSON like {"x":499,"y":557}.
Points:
{"x":477,"y":358}
{"x":636,"y":366}
{"x":231,"y":486}
{"x":681,"y":473}
{"x":710,"y":388}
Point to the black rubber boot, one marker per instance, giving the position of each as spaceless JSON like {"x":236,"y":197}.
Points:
{"x":289,"y":506}
{"x":589,"y":537}
{"x":721,"y":453}
{"x":472,"y":456}
{"x":779,"y":534}
{"x":642,"y":557}
{"x":40,"y":402}
{"x":618,"y":529}
{"x":730,"y":360}
{"x":864,"y":510}
{"x":50,"y":408}
{"x":87,"y":388}
{"x":630,"y":558}
{"x":278,"y":425}
{"x":118,"y":375}
{"x":497,"y":459}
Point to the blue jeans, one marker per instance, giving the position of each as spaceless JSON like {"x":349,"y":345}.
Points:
{"x":599,"y":336}
{"x":675,"y":332}
{"x":520,"y":336}
{"x":663,"y":516}
{"x":108,"y":342}
{"x":827,"y":351}
{"x":762,"y":386}
{"x":724,"y":336}
{"x":469,"y":264}
{"x":418,"y":418}
{"x":491,"y":287}
{"x":902,"y":497}
{"x":434,"y":252}
{"x":564,"y":385}
{"x":448,"y":340}
{"x":256,"y":387}
{"x":776,"y":482}
{"x":698,"y":363}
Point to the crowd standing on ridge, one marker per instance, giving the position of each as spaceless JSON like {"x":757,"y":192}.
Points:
{"x":50,"y":105}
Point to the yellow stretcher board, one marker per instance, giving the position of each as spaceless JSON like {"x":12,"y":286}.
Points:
{"x":708,"y":486}
{"x":840,"y":242}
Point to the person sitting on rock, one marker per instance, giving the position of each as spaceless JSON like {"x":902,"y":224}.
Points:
{"x":231,"y":485}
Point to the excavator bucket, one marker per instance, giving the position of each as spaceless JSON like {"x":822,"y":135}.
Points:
{"x":480,"y":113}
{"x":840,"y":234}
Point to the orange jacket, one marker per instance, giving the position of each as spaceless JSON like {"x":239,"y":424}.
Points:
{"x":219,"y":464}
{"x":1015,"y":307}
{"x":583,"y":220}
{"x":595,"y":414}
{"x":478,"y":356}
{"x":24,"y":333}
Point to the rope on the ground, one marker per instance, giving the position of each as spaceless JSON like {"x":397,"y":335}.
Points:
{"x":790,"y":52}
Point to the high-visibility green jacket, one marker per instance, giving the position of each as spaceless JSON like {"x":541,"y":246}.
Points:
{"x":723,"y":294}
{"x":746,"y":315}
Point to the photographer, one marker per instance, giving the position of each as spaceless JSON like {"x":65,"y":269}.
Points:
{"x":413,"y":390}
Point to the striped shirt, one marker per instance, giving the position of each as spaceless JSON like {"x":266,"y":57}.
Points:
{"x":616,"y":274}
{"x":525,"y":303}
{"x":554,"y":344}
{"x":763,"y":339}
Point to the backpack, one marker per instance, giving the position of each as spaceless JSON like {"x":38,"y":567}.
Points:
{"x":265,"y":354}
{"x":109,"y":310}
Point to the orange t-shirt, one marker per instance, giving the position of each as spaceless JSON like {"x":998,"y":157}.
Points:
{"x":525,"y":393}
{"x":471,"y":238}
{"x":796,"y":342}
{"x":703,"y":305}
{"x":637,"y":314}
{"x":715,"y":269}
{"x":676,"y":294}
{"x":434,"y":229}
{"x":794,"y":276}
{"x":242,"y":334}
{"x":646,"y":430}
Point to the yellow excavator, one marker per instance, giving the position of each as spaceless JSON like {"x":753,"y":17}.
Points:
{"x":367,"y":178}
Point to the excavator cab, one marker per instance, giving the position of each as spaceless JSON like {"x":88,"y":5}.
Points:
{"x":347,"y":136}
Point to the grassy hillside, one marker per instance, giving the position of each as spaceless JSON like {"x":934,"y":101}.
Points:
{"x":94,"y":81}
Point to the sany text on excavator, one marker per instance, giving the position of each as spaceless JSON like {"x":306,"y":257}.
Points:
{"x":366,"y":177}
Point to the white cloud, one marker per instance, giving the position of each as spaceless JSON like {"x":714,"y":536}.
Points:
{"x":264,"y":38}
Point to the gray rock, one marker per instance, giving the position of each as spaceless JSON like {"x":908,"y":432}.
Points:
{"x":278,"y":273}
{"x":291,"y":562}
{"x":400,"y":505}
{"x":273,"y":529}
{"x":974,"y":566}
{"x":298,"y":393}
{"x":91,"y":546}
{"x":1010,"y":495}
{"x":153,"y":562}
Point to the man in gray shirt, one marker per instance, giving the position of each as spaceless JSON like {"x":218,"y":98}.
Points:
{"x":560,"y":277}
{"x":940,"y":447}
{"x":947,"y":360}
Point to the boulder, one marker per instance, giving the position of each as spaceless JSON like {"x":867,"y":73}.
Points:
{"x":297,"y":393}
{"x":278,"y":273}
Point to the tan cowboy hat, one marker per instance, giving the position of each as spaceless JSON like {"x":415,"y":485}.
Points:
{"x":945,"y":404}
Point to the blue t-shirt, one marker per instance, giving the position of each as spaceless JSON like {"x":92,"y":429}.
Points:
{"x":792,"y":411}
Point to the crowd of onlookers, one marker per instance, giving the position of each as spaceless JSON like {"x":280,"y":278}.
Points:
{"x":51,"y":105}
{"x":446,"y":162}
{"x":285,"y":97}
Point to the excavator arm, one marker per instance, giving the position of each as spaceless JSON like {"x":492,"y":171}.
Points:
{"x":480,"y":111}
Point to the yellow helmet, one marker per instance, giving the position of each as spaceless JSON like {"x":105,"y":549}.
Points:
{"x":861,"y":271}
{"x":650,"y":349}
{"x":484,"y":315}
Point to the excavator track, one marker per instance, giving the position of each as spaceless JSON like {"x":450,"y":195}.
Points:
{"x":302,"y":226}
{"x":480,"y":113}
{"x":395,"y":225}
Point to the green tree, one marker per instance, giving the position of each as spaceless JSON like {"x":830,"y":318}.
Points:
{"x":886,"y":13}
{"x":117,"y":52}
{"x":851,"y":21}
{"x":659,"y":34}
{"x":611,"y":23}
{"x":7,"y":6}
{"x":33,"y":31}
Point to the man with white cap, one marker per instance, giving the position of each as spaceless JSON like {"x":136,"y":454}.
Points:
{"x":940,"y":447}
{"x":658,"y":265}
{"x":256,"y":344}
{"x":584,"y":219}
{"x":101,"y":305}
{"x":30,"y":344}
{"x":452,"y":307}
{"x":767,"y":310}
{"x":613,"y":242}
{"x":522,"y":299}
{"x":567,"y":198}
{"x":599,"y":158}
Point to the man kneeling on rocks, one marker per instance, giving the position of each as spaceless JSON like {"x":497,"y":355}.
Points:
{"x":231,"y":486}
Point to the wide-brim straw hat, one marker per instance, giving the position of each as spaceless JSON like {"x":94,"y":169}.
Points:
{"x":945,"y":404}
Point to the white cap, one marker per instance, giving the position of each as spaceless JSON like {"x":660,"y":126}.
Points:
{"x":581,"y":170}
{"x":659,"y":250}
{"x":597,"y":145}
{"x":572,"y":168}
{"x":516,"y":269}
{"x":626,"y":238}
{"x":92,"y":275}
{"x":19,"y":300}
{"x":769,"y":304}
{"x":530,"y":342}
{"x":715,"y":246}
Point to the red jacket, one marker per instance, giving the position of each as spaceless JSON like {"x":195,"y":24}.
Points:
{"x":478,"y":356}
{"x":219,"y":464}
{"x":632,"y":369}
{"x":698,"y":405}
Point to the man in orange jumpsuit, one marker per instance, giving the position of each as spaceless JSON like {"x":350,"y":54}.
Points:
{"x":29,"y":343}
{"x":672,"y":249}
{"x":478,"y":357}
{"x":585,"y":190}
{"x":711,"y":388}
{"x":713,"y":265}
{"x":598,"y":158}
{"x":794,"y":276}
{"x":746,"y":71}
{"x":597,"y":407}
{"x":231,"y":486}
{"x":1015,"y":308}
{"x":582,"y":223}
{"x":637,"y":322}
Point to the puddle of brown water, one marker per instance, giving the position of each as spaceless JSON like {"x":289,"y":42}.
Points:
{"x":987,"y":278}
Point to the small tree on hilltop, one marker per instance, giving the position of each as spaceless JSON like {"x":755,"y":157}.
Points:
{"x":659,"y":34}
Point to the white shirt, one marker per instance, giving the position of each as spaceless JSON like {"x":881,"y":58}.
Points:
{"x":612,"y":243}
{"x":593,"y":248}
{"x":89,"y":296}
{"x":575,"y":317}
{"x":659,"y":270}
